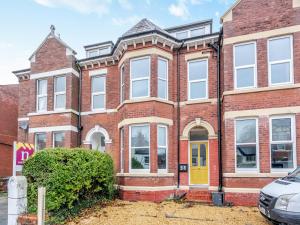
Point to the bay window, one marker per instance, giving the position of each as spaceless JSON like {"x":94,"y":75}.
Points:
{"x":282,"y":141}
{"x":58,"y":139}
{"x":40,"y":141}
{"x":140,"y":77}
{"x":245,"y":65}
{"x":162,"y":78}
{"x":41,"y":98}
{"x":122,"y":144}
{"x":280,"y":59}
{"x":197,"y":79}
{"x":162,"y":148}
{"x":122,"y":91}
{"x":98,"y":92}
{"x":60,"y":92}
{"x":140,"y":148}
{"x":246,"y":144}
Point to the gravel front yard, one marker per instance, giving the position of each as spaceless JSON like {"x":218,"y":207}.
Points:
{"x":146,"y":213}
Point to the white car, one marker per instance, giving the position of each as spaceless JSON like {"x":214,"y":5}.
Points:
{"x":280,"y":200}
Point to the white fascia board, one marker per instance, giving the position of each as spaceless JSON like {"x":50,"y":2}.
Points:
{"x":54,"y":73}
{"x":98,"y":72}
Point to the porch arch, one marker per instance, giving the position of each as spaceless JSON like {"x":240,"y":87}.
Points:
{"x":96,"y":129}
{"x":196,"y":123}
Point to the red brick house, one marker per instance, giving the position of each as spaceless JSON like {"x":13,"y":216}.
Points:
{"x":180,"y":109}
{"x":8,"y":127}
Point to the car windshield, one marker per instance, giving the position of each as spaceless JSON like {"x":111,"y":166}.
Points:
{"x":294,"y":176}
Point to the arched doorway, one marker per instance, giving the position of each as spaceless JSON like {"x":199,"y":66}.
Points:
{"x":198,"y":155}
{"x":98,"y":141}
{"x":97,"y":138}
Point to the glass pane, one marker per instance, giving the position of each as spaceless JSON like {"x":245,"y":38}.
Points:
{"x":197,"y":70}
{"x":280,"y":73}
{"x":140,"y":136}
{"x":98,"y":102}
{"x":42,"y":103}
{"x":198,"y":90}
{"x":245,"y":131}
{"x":202,"y":155}
{"x":245,"y":77}
{"x":280,"y":49}
{"x":162,"y":136}
{"x":161,"y":158}
{"x":162,"y":68}
{"x":281,"y":129}
{"x":198,"y":134}
{"x":162,"y":89}
{"x":140,"y":158}
{"x":140,"y":88}
{"x":98,"y":141}
{"x":59,"y":139}
{"x":60,"y":84}
{"x":140,"y":68}
{"x":244,"y":55}
{"x":123,"y":74}
{"x":282,"y":155}
{"x":182,"y":35}
{"x":40,"y":141}
{"x":197,"y":32}
{"x":93,"y":53}
{"x":98,"y":84}
{"x":246,"y":156}
{"x":194,"y":155}
{"x":60,"y":101}
{"x":42,"y":87}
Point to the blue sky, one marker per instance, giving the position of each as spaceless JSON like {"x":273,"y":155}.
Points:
{"x":25,"y":23}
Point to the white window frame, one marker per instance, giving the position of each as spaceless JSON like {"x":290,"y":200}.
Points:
{"x":89,"y":55}
{"x":163,"y":79}
{"x":199,"y":28}
{"x":35,"y":139}
{"x":53,"y":137}
{"x":122,"y":150}
{"x":122,"y":84}
{"x":166,"y":147}
{"x":241,"y":170}
{"x":130,"y":148}
{"x":98,"y":93}
{"x":291,"y":61}
{"x":196,"y":81}
{"x":60,"y":93}
{"x":41,"y":96}
{"x":140,"y":78}
{"x":293,"y":141}
{"x":254,"y":66}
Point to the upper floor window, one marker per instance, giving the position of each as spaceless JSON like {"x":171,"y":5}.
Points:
{"x":140,"y":77}
{"x":197,"y":79}
{"x":162,"y":74}
{"x":60,"y":92}
{"x":280,"y":56}
{"x":282,"y":142}
{"x":245,"y":65}
{"x":41,"y":95}
{"x":122,"y":91}
{"x":140,"y":148}
{"x":162,"y":148}
{"x":40,"y":141}
{"x":246,"y":144}
{"x":58,"y":139}
{"x":98,"y":92}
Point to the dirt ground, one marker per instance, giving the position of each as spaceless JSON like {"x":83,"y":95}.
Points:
{"x":146,"y":213}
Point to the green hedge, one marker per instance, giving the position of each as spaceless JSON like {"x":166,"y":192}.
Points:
{"x":74,"y":178}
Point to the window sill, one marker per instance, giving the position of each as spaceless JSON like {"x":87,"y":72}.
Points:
{"x":52,"y":112}
{"x":146,"y":99}
{"x":145,"y":174}
{"x":199,"y":101}
{"x":253,"y":174}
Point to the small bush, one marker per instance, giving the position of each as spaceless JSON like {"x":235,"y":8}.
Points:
{"x":74,"y":179}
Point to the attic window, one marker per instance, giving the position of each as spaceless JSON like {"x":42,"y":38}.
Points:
{"x":182,"y":35}
{"x":197,"y":32}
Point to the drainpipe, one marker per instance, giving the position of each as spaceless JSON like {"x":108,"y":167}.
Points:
{"x":178,"y":113}
{"x":79,"y":127}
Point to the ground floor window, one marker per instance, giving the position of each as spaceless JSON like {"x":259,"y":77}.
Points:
{"x":98,"y":141}
{"x":40,"y":141}
{"x":282,"y":141}
{"x":122,"y":150}
{"x":58,"y":139}
{"x":140,"y":148}
{"x":246,"y":144}
{"x":162,"y":148}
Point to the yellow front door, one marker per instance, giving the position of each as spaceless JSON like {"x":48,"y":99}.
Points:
{"x":198,"y":163}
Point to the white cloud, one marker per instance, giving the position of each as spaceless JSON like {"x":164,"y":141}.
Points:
{"x":199,"y":2}
{"x":125,"y":4}
{"x":179,"y":9}
{"x":217,"y":14}
{"x":125,"y":21}
{"x":100,"y":7}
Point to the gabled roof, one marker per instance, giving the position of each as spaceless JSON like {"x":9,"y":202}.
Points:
{"x":144,"y":25}
{"x":52,"y":35}
{"x":229,"y":11}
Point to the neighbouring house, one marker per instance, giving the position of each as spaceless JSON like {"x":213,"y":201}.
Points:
{"x":8,"y":128}
{"x":181,"y":109}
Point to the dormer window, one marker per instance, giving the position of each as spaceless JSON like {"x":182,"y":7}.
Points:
{"x":198,"y":32}
{"x":99,"y":49}
{"x":182,"y":35}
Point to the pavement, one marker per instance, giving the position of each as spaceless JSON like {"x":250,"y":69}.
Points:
{"x":3,"y":209}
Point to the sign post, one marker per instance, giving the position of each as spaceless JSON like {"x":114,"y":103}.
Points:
{"x":22,"y":151}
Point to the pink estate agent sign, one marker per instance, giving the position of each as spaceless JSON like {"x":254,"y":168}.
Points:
{"x":23,"y":151}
